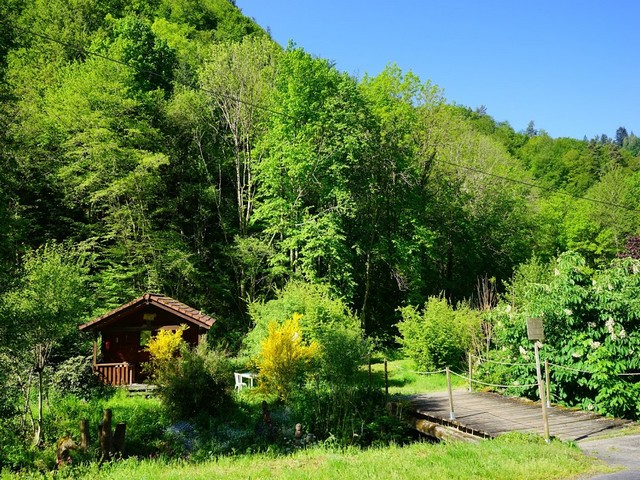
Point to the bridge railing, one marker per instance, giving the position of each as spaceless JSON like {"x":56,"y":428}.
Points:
{"x":542,"y":385}
{"x":477,"y":360}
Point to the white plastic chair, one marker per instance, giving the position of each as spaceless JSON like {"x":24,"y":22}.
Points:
{"x":239,"y":383}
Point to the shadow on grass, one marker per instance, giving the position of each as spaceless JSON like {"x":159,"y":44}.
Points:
{"x":377,"y":380}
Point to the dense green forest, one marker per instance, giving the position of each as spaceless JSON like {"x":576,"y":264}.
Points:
{"x":182,"y":151}
{"x":171,"y":146}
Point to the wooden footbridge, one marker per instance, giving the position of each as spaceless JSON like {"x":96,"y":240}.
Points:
{"x":487,"y":415}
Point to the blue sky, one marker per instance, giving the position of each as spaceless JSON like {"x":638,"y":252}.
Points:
{"x":573,"y":67}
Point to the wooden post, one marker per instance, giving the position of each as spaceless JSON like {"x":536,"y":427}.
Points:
{"x":452,"y":414}
{"x":104,"y":434}
{"x":95,"y":352}
{"x":542,"y":393}
{"x":548,"y":382}
{"x":84,"y":434}
{"x":118,"y":438}
{"x":470,"y":372}
{"x":386,"y":381}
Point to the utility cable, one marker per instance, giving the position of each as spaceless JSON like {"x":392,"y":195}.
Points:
{"x":533,"y":185}
{"x":486,"y":360}
{"x":429,"y":373}
{"x":145,"y":71}
{"x":283,"y":114}
{"x":493,"y":384}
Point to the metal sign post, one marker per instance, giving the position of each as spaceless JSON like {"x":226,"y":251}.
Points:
{"x":535,"y":332}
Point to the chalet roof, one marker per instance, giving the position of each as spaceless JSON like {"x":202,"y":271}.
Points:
{"x":168,"y":304}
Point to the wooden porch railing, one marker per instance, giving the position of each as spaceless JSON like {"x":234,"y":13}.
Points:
{"x":115,"y":373}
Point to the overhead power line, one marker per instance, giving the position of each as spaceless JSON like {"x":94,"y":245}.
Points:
{"x":145,"y":71}
{"x":540,"y":187}
{"x":283,"y":114}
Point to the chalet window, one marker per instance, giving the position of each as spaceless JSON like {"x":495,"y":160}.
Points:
{"x":145,"y":336}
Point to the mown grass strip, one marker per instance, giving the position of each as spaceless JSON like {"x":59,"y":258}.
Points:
{"x":513,"y":456}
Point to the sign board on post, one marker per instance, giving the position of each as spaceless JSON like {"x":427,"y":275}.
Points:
{"x":535,"y":330}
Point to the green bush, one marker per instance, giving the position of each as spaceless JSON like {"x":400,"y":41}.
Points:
{"x":145,"y":418}
{"x":65,"y":413}
{"x":75,"y":376}
{"x":346,"y":415}
{"x":438,"y":336}
{"x":200,"y":384}
{"x":285,"y":359}
{"x":320,"y":311}
{"x":343,"y":352}
{"x":15,"y":454}
{"x":591,"y":331}
{"x":323,"y":319}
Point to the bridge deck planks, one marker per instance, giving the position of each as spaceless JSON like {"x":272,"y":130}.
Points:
{"x":492,"y":415}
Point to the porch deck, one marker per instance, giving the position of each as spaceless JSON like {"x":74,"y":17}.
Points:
{"x":116,"y":374}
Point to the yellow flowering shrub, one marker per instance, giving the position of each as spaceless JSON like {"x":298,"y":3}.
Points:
{"x":163,"y":349}
{"x":284,"y":357}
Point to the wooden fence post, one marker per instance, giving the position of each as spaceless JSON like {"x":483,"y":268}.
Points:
{"x":386,"y":381}
{"x":547,"y":378}
{"x":542,"y":393}
{"x":84,"y":434}
{"x":104,"y":434}
{"x":470,"y":372}
{"x":452,"y":414}
{"x":118,"y":438}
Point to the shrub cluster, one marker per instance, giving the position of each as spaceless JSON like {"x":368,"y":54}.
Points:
{"x":75,"y":376}
{"x":438,"y":336}
{"x":285,"y":359}
{"x":324,"y":321}
{"x":196,"y":384}
{"x":591,"y":318}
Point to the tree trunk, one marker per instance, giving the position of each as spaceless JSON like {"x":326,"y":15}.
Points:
{"x":367,"y":288}
{"x":37,"y":437}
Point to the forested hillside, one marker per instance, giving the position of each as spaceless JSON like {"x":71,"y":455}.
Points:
{"x":182,"y":151}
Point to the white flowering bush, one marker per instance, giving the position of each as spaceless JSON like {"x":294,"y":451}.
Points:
{"x":592,"y":327}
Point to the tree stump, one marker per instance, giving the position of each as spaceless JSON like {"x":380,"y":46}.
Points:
{"x":65,"y":445}
{"x":105,"y":435}
{"x":84,"y":435}
{"x":118,"y":439}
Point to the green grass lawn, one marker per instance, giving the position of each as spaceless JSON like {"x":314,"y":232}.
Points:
{"x":404,"y":379}
{"x":509,"y":457}
{"x":512,"y":456}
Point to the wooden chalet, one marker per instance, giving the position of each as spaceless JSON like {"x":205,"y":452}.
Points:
{"x":124,"y":332}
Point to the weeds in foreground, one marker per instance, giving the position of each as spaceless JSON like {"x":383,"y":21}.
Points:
{"x":512,"y":456}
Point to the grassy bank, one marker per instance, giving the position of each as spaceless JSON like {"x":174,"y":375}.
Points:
{"x":404,"y":379}
{"x":514,"y":456}
{"x":510,"y":457}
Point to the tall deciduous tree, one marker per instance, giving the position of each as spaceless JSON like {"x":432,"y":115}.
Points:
{"x":47,"y":304}
{"x":238,"y":78}
{"x":311,"y":153}
{"x":389,"y":237}
{"x":598,"y":230}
